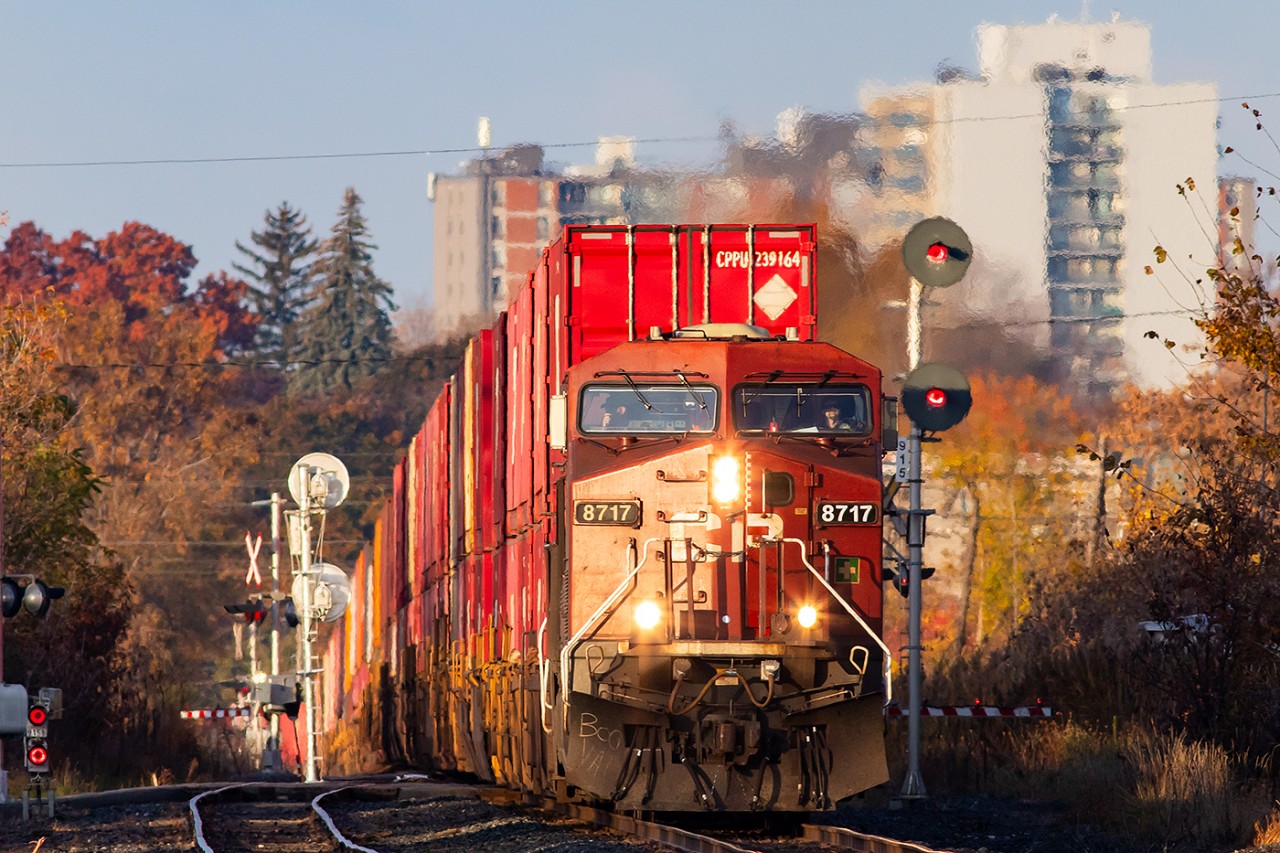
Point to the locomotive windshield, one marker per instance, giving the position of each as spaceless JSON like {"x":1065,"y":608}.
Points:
{"x":790,"y":407}
{"x":648,"y":408}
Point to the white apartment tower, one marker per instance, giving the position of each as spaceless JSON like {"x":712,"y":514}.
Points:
{"x":1062,"y":160}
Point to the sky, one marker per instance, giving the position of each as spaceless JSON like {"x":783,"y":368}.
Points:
{"x":280,"y":92}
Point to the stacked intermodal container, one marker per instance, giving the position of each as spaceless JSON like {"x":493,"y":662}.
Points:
{"x":454,"y":587}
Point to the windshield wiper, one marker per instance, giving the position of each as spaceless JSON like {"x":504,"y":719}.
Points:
{"x":635,"y":389}
{"x":702,"y":404}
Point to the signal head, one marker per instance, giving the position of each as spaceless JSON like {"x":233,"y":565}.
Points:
{"x":291,"y":617}
{"x":37,"y":757}
{"x":937,"y":252}
{"x":936,"y":397}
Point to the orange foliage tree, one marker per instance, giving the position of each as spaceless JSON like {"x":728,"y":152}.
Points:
{"x":162,"y":417}
{"x":1008,"y":464}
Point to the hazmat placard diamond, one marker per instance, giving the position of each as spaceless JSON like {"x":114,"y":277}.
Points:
{"x":775,"y":297}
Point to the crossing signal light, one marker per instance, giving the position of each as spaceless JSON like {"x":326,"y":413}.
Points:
{"x":253,"y":611}
{"x":901,"y":577}
{"x":936,"y":397}
{"x":937,"y":252}
{"x":291,"y":617}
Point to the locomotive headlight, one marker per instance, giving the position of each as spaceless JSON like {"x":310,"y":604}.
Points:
{"x":726,"y":483}
{"x":808,"y":616}
{"x":647,"y":615}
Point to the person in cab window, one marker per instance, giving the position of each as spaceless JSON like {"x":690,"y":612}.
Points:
{"x":831,"y":419}
{"x":615,"y":416}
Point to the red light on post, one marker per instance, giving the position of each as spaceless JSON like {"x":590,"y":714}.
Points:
{"x":937,"y":253}
{"x":935,"y":398}
{"x":37,"y":716}
{"x":38,"y":756}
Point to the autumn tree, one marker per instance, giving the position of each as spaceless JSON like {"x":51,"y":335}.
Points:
{"x":348,"y":331}
{"x":278,"y":266}
{"x":1006,"y":463}
{"x":1174,"y":620}
{"x":165,"y":422}
{"x":49,"y":489}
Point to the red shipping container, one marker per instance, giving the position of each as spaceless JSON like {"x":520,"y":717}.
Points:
{"x":494,"y":504}
{"x":614,"y":284}
{"x":519,"y":451}
{"x":399,"y":534}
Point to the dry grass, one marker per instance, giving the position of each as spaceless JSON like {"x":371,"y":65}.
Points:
{"x":1182,"y":790}
{"x":1267,"y":830}
{"x":1160,"y":789}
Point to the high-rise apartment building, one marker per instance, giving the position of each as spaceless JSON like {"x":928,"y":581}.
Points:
{"x":1062,"y":159}
{"x":492,"y":221}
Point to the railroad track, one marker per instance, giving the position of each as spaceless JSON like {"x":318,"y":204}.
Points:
{"x":271,"y":818}
{"x":692,"y":842}
{"x":293,"y":818}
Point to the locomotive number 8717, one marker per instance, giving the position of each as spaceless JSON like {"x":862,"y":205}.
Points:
{"x":634,"y":555}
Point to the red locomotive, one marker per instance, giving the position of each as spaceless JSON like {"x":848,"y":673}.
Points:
{"x":635,"y":552}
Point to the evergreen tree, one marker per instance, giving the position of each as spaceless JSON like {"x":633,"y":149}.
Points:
{"x":280,"y":274}
{"x":348,"y":333}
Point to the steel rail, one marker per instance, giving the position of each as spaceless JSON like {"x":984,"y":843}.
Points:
{"x":202,"y":844}
{"x":342,"y":840}
{"x":669,"y":836}
{"x":848,"y":839}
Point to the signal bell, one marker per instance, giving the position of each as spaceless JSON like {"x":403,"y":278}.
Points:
{"x":937,"y":252}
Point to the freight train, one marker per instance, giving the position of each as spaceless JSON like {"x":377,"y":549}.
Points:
{"x":634,"y":555}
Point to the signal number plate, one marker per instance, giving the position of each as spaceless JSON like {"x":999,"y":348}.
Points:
{"x":37,"y":731}
{"x":840,"y":512}
{"x":623,"y":513}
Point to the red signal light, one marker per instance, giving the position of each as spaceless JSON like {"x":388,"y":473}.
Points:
{"x":935,"y":398}
{"x":937,"y":253}
{"x":38,"y":756}
{"x":37,"y":716}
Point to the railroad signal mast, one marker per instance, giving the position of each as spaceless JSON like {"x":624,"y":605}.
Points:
{"x":18,"y":593}
{"x":29,"y":716}
{"x":937,"y":253}
{"x":320,"y":592}
{"x":318,"y":482}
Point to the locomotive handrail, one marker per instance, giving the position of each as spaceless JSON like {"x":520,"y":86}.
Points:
{"x":617,"y":595}
{"x":543,"y":676}
{"x":888,"y":657}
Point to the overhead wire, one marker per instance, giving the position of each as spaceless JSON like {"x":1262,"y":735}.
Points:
{"x":864,"y":121}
